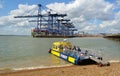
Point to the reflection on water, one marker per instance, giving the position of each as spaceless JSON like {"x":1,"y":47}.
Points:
{"x":57,"y":61}
{"x":115,"y":39}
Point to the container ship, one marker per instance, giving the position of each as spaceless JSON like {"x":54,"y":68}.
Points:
{"x":51,"y":24}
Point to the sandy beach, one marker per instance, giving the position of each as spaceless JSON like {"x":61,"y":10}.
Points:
{"x":73,"y":70}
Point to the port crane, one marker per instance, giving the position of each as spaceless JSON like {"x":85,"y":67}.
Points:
{"x":50,"y":24}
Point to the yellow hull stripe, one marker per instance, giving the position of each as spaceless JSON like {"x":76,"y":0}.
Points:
{"x":55,"y":53}
{"x":71,"y":59}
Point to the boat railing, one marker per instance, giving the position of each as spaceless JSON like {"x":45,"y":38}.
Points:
{"x":83,"y":53}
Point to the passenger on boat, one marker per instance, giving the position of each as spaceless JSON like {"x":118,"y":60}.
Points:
{"x":66,"y":50}
{"x":86,"y":52}
{"x":70,"y":51}
{"x":61,"y":48}
{"x":78,"y":49}
{"x":74,"y":48}
{"x":75,"y":54}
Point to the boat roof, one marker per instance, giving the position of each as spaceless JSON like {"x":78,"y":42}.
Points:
{"x":63,"y":43}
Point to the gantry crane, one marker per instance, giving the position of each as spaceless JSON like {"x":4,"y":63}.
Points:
{"x":50,"y":24}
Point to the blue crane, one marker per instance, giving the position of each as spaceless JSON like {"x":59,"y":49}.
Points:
{"x":50,"y":24}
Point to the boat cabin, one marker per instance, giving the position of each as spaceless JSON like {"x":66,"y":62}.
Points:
{"x":58,"y":46}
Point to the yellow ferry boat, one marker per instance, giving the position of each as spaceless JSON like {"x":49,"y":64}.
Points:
{"x":64,"y":50}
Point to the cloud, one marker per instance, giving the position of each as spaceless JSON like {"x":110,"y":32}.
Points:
{"x":112,"y":25}
{"x":11,"y":25}
{"x":83,"y":11}
{"x":24,"y":10}
{"x":88,"y":8}
{"x":87,"y":15}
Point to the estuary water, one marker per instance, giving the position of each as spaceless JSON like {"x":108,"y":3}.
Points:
{"x":25,"y":52}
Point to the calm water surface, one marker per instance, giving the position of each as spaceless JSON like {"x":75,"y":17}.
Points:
{"x":25,"y":51}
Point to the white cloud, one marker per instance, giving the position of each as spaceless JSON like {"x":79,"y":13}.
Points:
{"x":24,"y":10}
{"x":88,"y":8}
{"x":81,"y":12}
{"x":117,"y":16}
{"x":15,"y":25}
{"x":112,"y":26}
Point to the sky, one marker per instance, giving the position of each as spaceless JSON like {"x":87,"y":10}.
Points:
{"x":90,"y":16}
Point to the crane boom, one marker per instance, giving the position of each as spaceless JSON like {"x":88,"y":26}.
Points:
{"x":52,"y":23}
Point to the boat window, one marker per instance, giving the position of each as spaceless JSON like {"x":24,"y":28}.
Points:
{"x":56,"y":47}
{"x":61,"y":47}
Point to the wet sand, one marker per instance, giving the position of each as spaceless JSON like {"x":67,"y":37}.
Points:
{"x":73,"y":70}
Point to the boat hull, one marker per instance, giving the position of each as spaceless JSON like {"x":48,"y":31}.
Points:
{"x":52,"y":36}
{"x":74,"y":60}
{"x":64,"y":56}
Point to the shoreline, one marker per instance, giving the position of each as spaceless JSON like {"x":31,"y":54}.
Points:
{"x":72,"y":70}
